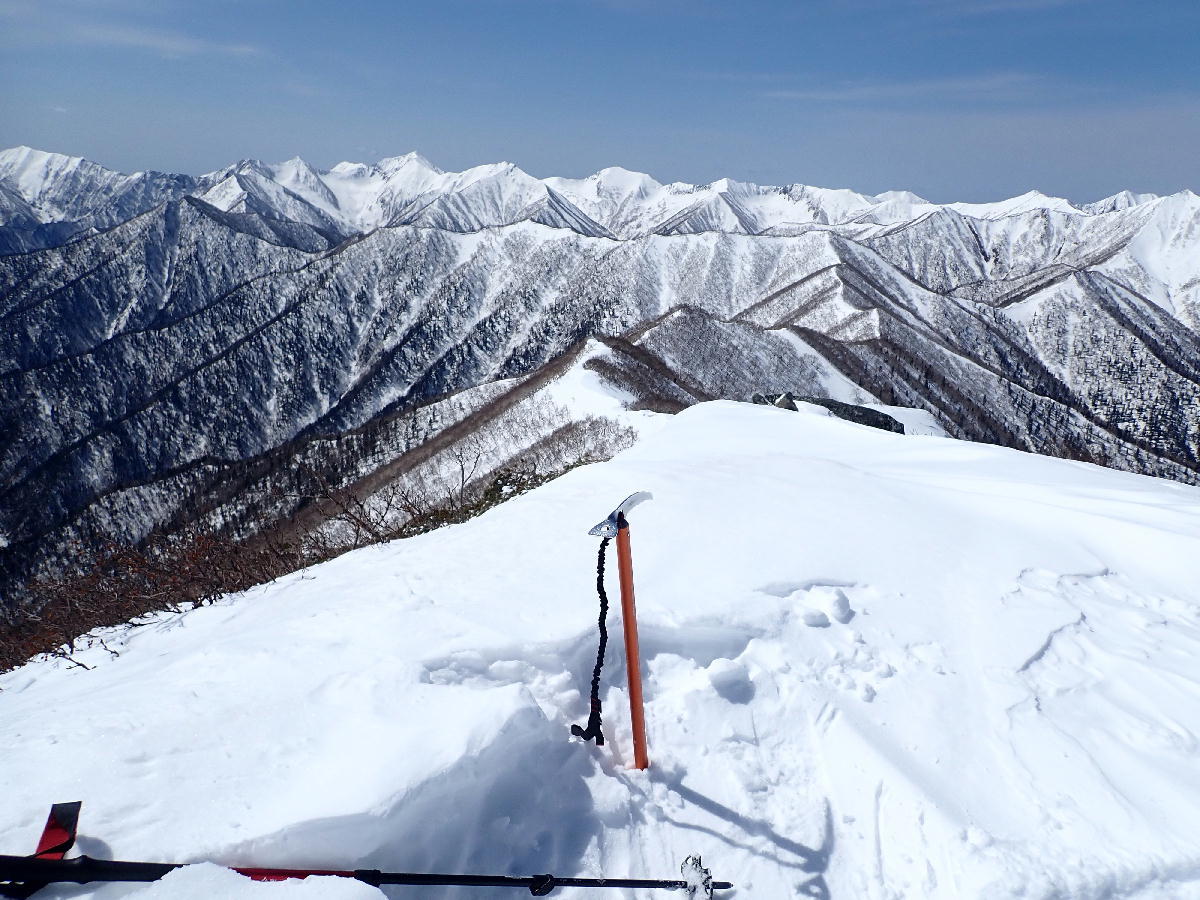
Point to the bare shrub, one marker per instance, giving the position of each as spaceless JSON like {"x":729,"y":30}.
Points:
{"x":515,"y":453}
{"x":524,"y":448}
{"x":121,"y":583}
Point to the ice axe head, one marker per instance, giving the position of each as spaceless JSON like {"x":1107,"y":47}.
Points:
{"x":609,"y":527}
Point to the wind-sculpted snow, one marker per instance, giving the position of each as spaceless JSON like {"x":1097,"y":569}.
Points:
{"x":171,"y":325}
{"x":875,"y":665}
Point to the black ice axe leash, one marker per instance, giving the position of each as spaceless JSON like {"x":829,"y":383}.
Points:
{"x":23,"y":876}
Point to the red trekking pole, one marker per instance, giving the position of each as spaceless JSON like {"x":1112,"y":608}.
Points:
{"x":23,"y":876}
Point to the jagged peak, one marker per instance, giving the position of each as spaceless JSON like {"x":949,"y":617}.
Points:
{"x":241,"y":166}
{"x":257,"y":166}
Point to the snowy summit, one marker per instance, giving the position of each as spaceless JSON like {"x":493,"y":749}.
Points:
{"x":876,"y":666}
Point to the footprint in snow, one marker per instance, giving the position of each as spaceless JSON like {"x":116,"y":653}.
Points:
{"x":814,"y":618}
{"x":821,"y":602}
{"x":731,"y":680}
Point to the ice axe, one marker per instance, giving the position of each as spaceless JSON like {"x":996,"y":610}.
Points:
{"x":617,"y":526}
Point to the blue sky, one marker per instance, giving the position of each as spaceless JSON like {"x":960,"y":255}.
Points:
{"x":953,"y":99}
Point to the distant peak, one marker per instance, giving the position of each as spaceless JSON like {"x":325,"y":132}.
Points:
{"x":503,"y":166}
{"x":350,"y":168}
{"x":25,"y":150}
{"x":1120,"y":201}
{"x":296,"y":166}
{"x":901,"y":196}
{"x":501,"y":170}
{"x":619,"y":172}
{"x":24,"y":154}
{"x":412,"y":158}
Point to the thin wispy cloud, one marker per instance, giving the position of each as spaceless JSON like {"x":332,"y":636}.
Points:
{"x":995,"y":86}
{"x":59,"y":23}
{"x":167,"y":43}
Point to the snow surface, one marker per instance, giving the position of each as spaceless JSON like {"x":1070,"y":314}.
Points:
{"x":876,"y":666}
{"x":206,"y":881}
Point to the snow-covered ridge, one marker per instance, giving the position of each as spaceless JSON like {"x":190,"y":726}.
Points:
{"x":875,"y":665}
{"x":614,"y":202}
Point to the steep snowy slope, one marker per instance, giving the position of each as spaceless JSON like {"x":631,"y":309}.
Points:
{"x":877,"y":666}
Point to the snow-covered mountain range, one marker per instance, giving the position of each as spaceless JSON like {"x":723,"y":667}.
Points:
{"x":350,"y":198}
{"x":170,"y":341}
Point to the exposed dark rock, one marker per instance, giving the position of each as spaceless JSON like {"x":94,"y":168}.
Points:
{"x":861,"y":415}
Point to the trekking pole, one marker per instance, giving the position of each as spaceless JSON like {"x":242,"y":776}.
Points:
{"x":617,"y":526}
{"x":20,"y":876}
{"x":23,"y":876}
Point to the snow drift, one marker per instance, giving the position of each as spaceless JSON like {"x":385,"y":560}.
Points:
{"x":877,"y":665}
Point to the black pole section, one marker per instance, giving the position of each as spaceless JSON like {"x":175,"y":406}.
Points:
{"x":84,"y":870}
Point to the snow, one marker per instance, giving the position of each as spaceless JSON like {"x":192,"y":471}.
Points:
{"x":876,"y":665}
{"x":225,"y":195}
{"x":37,"y":174}
{"x":1027,"y":202}
{"x":915,"y":421}
{"x":582,"y":391}
{"x":206,"y":881}
{"x":1119,"y":200}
